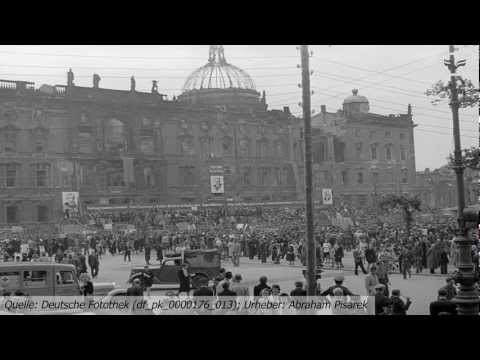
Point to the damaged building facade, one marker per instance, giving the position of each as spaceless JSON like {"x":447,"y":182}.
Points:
{"x":362,"y":155}
{"x":124,"y":147}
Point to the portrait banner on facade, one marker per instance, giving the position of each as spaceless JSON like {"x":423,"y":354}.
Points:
{"x":70,"y":202}
{"x":217,"y":184}
{"x":327,"y":196}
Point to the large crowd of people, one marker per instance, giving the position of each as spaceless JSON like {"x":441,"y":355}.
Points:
{"x":273,"y":234}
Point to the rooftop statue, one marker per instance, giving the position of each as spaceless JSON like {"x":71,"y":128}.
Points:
{"x":96,"y":80}
{"x":154,"y":87}
{"x":132,"y":83}
{"x":70,"y":78}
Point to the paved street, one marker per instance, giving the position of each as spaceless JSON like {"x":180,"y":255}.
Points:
{"x":422,"y":289}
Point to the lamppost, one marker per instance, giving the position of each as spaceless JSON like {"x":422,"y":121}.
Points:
{"x":467,"y":300}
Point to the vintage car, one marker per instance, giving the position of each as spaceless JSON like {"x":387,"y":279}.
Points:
{"x":203,"y":264}
{"x":45,"y":279}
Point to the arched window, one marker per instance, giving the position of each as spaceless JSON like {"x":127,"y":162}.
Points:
{"x":227,"y":146}
{"x":345,"y":177}
{"x":373,"y":151}
{"x":358,"y":151}
{"x":360,"y":177}
{"x":186,"y":145}
{"x":11,"y":173}
{"x":388,"y":152}
{"x":246,"y":176}
{"x":147,"y":145}
{"x":10,"y":141}
{"x":115,"y":136}
{"x":404,"y":176}
{"x":206,"y":147}
{"x":148,"y":177}
{"x":264,"y":150}
{"x":41,"y":175}
{"x":244,"y":148}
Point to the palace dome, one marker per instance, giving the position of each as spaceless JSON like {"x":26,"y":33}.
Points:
{"x":355,"y":98}
{"x":218,"y":74}
{"x":356,"y":104}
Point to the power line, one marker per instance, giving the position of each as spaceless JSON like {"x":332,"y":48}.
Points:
{"x":132,"y":68}
{"x":399,"y":66}
{"x":373,"y":71}
{"x":143,"y":57}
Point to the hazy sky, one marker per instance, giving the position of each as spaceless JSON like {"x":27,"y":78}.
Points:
{"x":391,"y":77}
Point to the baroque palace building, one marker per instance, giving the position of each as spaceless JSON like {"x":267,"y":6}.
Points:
{"x":124,"y":147}
{"x":361,"y":155}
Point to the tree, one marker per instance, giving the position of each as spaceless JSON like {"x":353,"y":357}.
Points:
{"x":408,"y":205}
{"x":471,"y":158}
{"x":468,"y":94}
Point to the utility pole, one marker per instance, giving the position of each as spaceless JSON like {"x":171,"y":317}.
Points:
{"x":466,"y":298}
{"x":311,"y":266}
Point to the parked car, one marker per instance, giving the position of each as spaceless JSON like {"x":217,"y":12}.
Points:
{"x":203,"y":264}
{"x":45,"y":279}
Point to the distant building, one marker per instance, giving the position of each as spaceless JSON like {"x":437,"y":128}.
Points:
{"x":120,"y":147}
{"x":438,"y":188}
{"x":361,"y":155}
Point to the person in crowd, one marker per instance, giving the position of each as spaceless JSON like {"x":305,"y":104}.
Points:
{"x":261,"y":286}
{"x":86,"y":285}
{"x":339,"y":279}
{"x":432,"y":263}
{"x":127,"y":252}
{"x":220,"y":277}
{"x":451,"y":290}
{"x":444,"y":261}
{"x":338,"y":255}
{"x":147,"y":250}
{"x":184,"y":279}
{"x":204,"y":290}
{"x":407,"y":260}
{"x":382,"y":302}
{"x":93,"y":263}
{"x":358,"y":260}
{"x":418,"y":253}
{"x":226,"y":290}
{"x":135,"y":292}
{"x":443,"y":306}
{"x":298,"y":290}
{"x":228,"y":278}
{"x":382,"y":274}
{"x":370,"y":256}
{"x":371,"y":281}
{"x":398,"y":305}
{"x":236,"y":252}
{"x":239,"y":288}
{"x":326,"y":253}
{"x":291,"y":255}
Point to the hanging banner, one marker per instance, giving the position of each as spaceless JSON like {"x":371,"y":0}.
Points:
{"x":217,"y":184}
{"x":70,"y":202}
{"x":327,"y":196}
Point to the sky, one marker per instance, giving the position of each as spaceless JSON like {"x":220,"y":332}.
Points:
{"x":391,"y":77}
